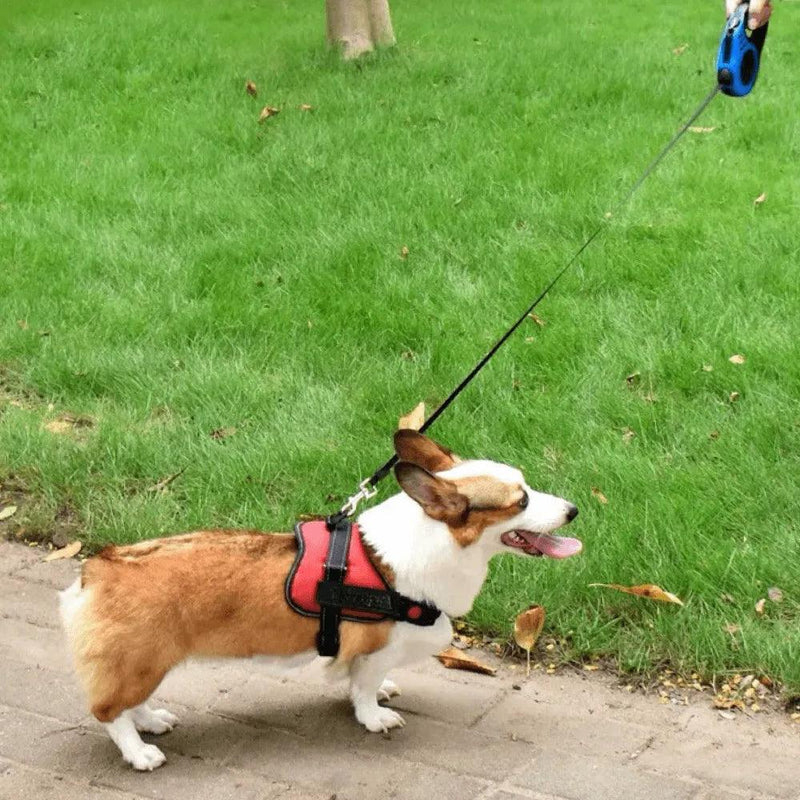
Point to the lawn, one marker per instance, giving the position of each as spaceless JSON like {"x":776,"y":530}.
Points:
{"x":169,"y":268}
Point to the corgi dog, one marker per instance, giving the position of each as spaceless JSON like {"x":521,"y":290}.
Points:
{"x":137,"y":611}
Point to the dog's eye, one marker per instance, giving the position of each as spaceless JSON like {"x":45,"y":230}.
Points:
{"x":523,"y":502}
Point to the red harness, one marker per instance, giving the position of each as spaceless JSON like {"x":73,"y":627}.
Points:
{"x":358,"y":592}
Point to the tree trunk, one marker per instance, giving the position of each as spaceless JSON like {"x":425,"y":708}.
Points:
{"x":356,"y":26}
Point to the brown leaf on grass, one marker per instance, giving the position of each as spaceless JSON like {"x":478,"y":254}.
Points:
{"x":305,"y":107}
{"x":633,"y":379}
{"x":68,"y":423}
{"x":23,"y":323}
{"x":731,"y":628}
{"x":599,"y":495}
{"x":680,"y":50}
{"x":737,"y":358}
{"x":628,"y":434}
{"x":72,"y":549}
{"x":648,"y":590}
{"x":733,"y":397}
{"x":527,"y":627}
{"x":414,"y":419}
{"x":701,"y":129}
{"x":537,"y":319}
{"x":162,"y":485}
{"x":760,"y":606}
{"x":760,"y":199}
{"x":404,"y":251}
{"x":267,"y":112}
{"x":7,"y":512}
{"x":222,"y":433}
{"x":251,"y":89}
{"x":453,"y":658}
{"x":707,"y":368}
{"x":713,"y":435}
{"x":774,"y":593}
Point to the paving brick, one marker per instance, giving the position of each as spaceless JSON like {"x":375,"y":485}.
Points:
{"x":18,"y":782}
{"x":43,"y":647}
{"x":54,"y":746}
{"x":545,"y":724}
{"x":44,"y":691}
{"x":730,"y":761}
{"x":453,"y":702}
{"x":27,"y":563}
{"x":184,"y":776}
{"x":573,"y":777}
{"x":307,"y":764}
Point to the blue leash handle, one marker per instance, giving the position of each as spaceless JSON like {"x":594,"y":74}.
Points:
{"x":739,"y":54}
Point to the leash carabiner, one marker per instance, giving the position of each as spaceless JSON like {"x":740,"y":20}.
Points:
{"x":739,"y":54}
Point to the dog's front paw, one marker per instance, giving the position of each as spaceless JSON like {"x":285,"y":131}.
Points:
{"x":155,"y":721}
{"x":388,"y":690}
{"x":379,"y":720}
{"x":147,"y":758}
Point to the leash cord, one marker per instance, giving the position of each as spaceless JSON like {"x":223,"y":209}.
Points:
{"x":368,"y":486}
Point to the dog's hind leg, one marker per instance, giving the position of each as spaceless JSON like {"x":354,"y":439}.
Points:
{"x":367,"y":680}
{"x":139,"y":755}
{"x":153,"y":720}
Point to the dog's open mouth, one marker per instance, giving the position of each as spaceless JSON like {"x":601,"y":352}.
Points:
{"x":542,"y":544}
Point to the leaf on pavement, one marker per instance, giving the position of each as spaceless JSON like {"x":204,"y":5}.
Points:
{"x":527,"y":627}
{"x":455,"y":659}
{"x":7,"y":512}
{"x":72,"y":549}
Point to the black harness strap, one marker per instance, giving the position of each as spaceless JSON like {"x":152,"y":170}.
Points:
{"x":335,"y":570}
{"x":332,"y":595}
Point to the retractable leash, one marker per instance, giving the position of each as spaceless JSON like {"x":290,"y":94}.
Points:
{"x":738,"y":61}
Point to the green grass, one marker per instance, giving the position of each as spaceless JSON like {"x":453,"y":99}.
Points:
{"x":181,"y":268}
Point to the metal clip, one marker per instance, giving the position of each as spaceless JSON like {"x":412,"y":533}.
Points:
{"x":365,"y":492}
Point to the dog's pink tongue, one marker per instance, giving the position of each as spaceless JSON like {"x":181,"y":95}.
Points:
{"x":556,"y":546}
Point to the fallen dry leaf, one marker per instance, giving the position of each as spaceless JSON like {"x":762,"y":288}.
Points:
{"x":268,"y":111}
{"x":648,"y":590}
{"x":72,"y":549}
{"x":23,"y":323}
{"x":404,"y":252}
{"x":774,"y":593}
{"x":733,"y":397}
{"x":708,"y":368}
{"x":7,"y":512}
{"x":305,"y":107}
{"x":727,"y":714}
{"x":455,"y":659}
{"x":732,"y":628}
{"x":721,"y":701}
{"x":537,"y":319}
{"x":527,"y":627}
{"x":701,"y":129}
{"x":599,"y":495}
{"x":414,"y":419}
{"x":633,"y":379}
{"x":628,"y":434}
{"x":251,"y":89}
{"x":222,"y":433}
{"x":680,"y":50}
{"x":760,"y":606}
{"x":737,"y":358}
{"x":165,"y":482}
{"x":67,"y":423}
{"x":760,"y":199}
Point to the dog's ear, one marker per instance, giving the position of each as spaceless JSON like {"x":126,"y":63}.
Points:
{"x":424,"y":452}
{"x":439,"y":498}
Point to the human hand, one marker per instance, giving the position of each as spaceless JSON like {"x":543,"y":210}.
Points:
{"x":757,"y":14}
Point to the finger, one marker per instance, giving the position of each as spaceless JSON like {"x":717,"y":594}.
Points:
{"x":758,"y":14}
{"x":730,"y":6}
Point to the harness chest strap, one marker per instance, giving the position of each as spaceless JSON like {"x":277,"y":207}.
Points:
{"x":333,"y":579}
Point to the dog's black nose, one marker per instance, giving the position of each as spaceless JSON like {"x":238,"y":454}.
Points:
{"x":572,"y":513}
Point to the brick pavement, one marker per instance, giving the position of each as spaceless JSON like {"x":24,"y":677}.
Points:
{"x":249,"y":735}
